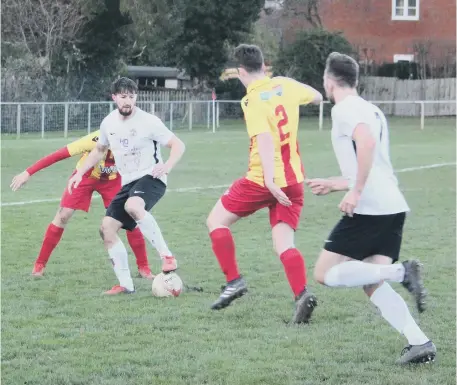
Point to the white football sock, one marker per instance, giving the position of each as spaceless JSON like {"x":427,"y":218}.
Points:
{"x":357,"y":273}
{"x":119,"y":258}
{"x":395,"y":311}
{"x":151,"y":231}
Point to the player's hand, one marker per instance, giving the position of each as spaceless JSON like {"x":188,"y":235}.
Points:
{"x":280,"y":195}
{"x":159,"y":170}
{"x":74,"y":182}
{"x":349,"y":202}
{"x":20,"y":180}
{"x":319,"y":186}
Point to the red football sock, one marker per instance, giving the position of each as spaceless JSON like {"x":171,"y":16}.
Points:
{"x":138,"y":245}
{"x":50,"y":241}
{"x":294,"y":266}
{"x":224,"y":249}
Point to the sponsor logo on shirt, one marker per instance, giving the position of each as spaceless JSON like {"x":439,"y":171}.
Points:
{"x":107,"y":169}
{"x":267,"y":95}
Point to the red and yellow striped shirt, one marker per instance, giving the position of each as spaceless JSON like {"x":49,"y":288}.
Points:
{"x":272,"y":105}
{"x":105,"y":169}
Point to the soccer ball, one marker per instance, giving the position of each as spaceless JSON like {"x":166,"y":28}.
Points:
{"x":167,"y":285}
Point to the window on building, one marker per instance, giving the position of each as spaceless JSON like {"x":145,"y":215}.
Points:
{"x":403,"y":57}
{"x":405,"y":9}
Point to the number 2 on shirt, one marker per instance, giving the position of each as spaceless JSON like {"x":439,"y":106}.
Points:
{"x":281,"y":112}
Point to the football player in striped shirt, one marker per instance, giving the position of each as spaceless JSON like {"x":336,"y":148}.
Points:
{"x":102,"y":178}
{"x":274,"y":180}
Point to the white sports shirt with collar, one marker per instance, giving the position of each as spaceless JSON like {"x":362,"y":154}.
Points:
{"x":381,"y":194}
{"x":135,"y":142}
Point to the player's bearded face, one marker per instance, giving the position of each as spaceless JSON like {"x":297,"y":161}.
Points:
{"x":125,"y":103}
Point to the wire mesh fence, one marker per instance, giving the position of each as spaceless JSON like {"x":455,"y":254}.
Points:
{"x":75,"y":118}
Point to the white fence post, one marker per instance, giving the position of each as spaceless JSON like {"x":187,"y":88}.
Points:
{"x":171,"y":116}
{"x":190,"y":116}
{"x":18,"y":122}
{"x":65,"y":125}
{"x":214,"y":115}
{"x":42,"y":121}
{"x":89,"y":113}
{"x":208,"y":113}
{"x":321,"y":116}
{"x":153,"y":108}
{"x":111,"y":107}
{"x":217,"y":113}
{"x":422,"y":115}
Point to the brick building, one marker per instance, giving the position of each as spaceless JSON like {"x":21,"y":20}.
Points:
{"x":386,"y":31}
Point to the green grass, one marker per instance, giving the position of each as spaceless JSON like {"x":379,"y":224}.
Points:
{"x":59,"y":330}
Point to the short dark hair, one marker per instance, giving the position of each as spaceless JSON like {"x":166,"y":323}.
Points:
{"x":343,"y":68}
{"x":124,"y":85}
{"x":249,"y":57}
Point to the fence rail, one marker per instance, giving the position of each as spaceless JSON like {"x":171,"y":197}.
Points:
{"x":65,"y":118}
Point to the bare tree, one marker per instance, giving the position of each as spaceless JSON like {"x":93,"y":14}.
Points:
{"x":422,"y":51}
{"x":42,"y":27}
{"x":306,"y":9}
{"x":39,"y":35}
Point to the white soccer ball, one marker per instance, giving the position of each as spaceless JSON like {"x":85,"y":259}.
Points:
{"x":167,"y":285}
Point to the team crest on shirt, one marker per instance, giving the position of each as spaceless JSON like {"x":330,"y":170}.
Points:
{"x":133,"y":132}
{"x":277,"y":90}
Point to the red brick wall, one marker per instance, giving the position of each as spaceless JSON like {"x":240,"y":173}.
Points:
{"x":368,"y":24}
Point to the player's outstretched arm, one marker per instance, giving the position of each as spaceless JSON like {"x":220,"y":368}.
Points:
{"x":48,"y":160}
{"x":324,"y":186}
{"x":306,"y":93}
{"x":95,"y":156}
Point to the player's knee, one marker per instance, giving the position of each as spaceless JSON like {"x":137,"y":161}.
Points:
{"x":210,"y":223}
{"x":63,"y":216}
{"x":108,"y":233}
{"x":135,"y":207}
{"x":319,"y":276}
{"x":283,"y":238}
{"x":213,"y":221}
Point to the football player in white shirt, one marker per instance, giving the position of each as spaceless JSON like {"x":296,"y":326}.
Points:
{"x":134,"y":137}
{"x":364,"y":245}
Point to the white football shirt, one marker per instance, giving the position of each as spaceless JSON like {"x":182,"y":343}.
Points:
{"x":135,"y":142}
{"x":381,"y":195}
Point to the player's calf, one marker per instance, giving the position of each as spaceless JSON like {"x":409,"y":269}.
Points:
{"x":63,"y":216}
{"x":135,"y":207}
{"x":295,"y":270}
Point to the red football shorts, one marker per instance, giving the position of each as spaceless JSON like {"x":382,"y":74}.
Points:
{"x":244,"y":198}
{"x":81,"y":196}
